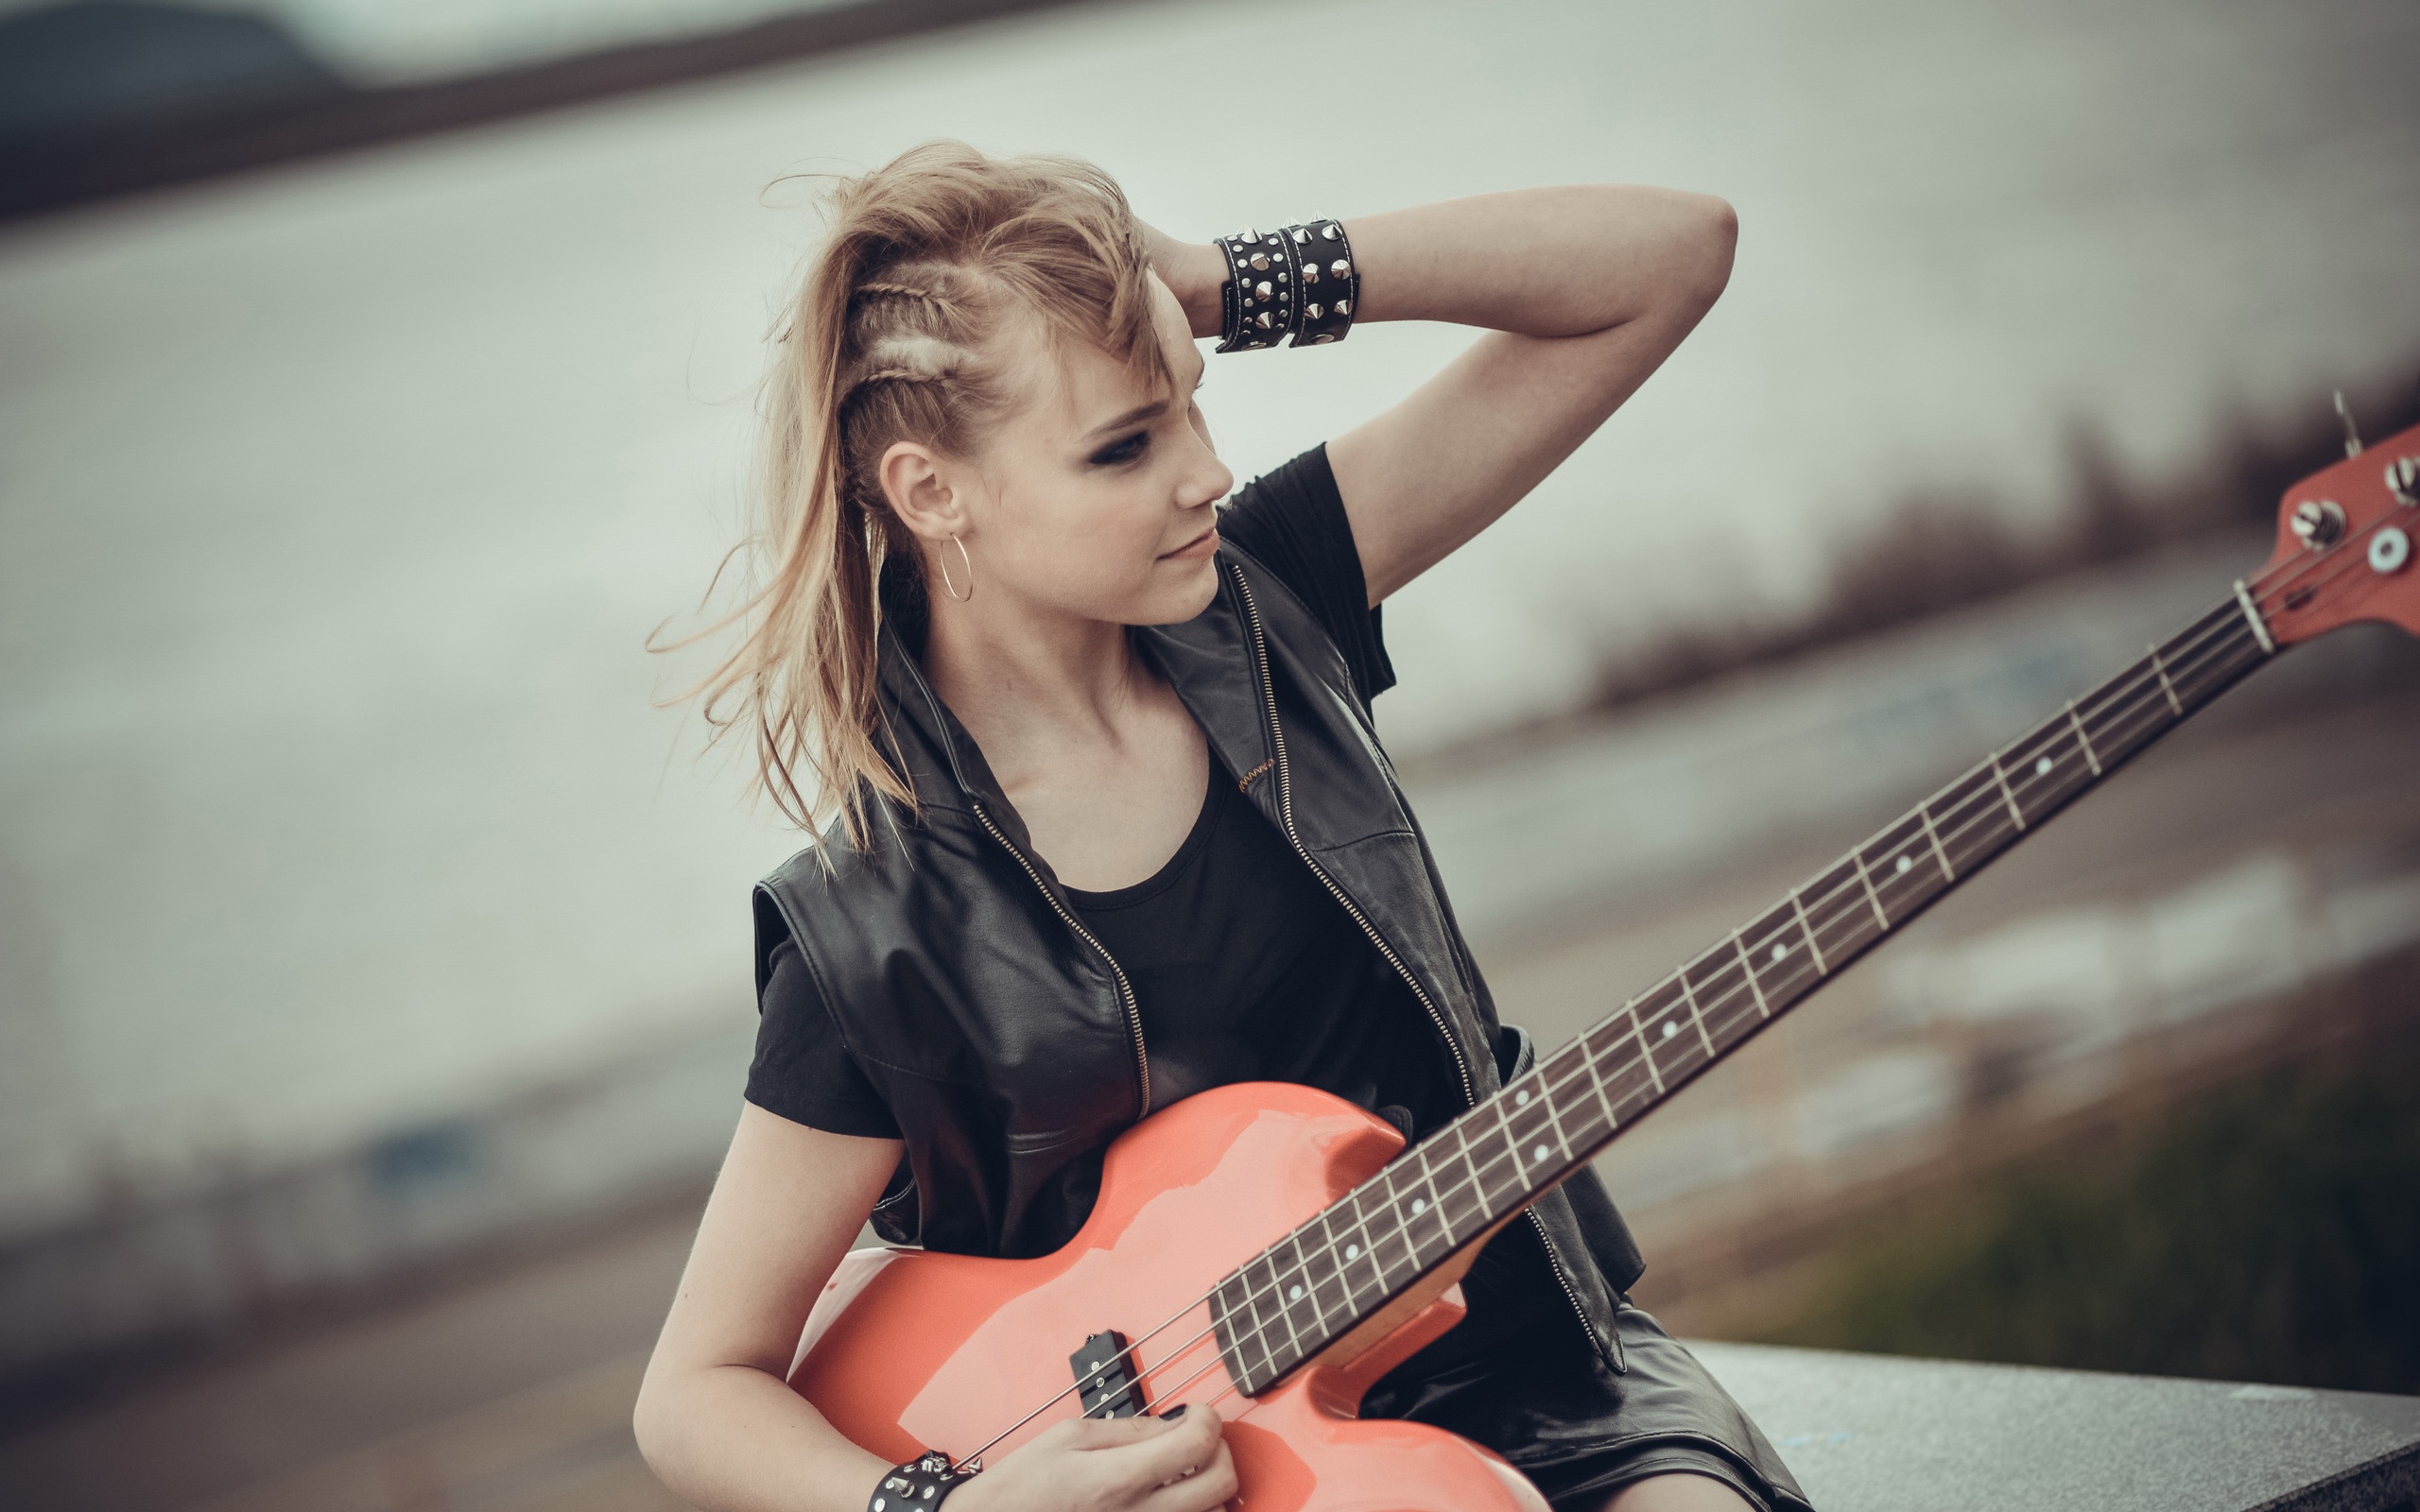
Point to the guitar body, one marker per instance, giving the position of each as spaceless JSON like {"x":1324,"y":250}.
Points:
{"x":909,"y":1350}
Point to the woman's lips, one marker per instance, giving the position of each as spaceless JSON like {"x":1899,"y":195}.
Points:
{"x":1199,"y":546}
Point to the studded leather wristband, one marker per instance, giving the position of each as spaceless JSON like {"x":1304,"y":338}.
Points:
{"x":920,"y":1485}
{"x":1296,"y":282}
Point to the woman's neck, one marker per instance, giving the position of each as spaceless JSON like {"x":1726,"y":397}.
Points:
{"x":1032,"y":689}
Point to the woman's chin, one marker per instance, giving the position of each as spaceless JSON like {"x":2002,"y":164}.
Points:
{"x":1184,"y":589}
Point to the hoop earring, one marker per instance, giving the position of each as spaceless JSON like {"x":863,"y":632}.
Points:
{"x":950,"y":588}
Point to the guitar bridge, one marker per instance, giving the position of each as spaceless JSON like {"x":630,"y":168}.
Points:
{"x":1105,"y":1377}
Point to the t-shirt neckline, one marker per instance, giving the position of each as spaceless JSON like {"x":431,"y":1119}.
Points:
{"x":1159,"y":882}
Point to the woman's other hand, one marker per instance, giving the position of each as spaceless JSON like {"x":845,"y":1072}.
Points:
{"x":1109,"y":1465}
{"x":1192,"y":271}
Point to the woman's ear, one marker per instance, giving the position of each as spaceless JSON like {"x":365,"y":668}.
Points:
{"x":921,"y":491}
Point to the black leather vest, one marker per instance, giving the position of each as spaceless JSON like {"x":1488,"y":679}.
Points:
{"x":1004,"y":1039}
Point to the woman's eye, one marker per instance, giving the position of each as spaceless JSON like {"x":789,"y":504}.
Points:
{"x":1125,"y":450}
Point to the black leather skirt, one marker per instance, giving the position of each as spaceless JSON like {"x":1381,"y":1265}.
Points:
{"x":1519,"y":1376}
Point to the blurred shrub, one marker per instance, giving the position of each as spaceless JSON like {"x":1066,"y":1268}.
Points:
{"x":2269,"y":1231}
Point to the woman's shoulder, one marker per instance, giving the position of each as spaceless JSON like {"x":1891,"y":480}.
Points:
{"x":1291,"y":521}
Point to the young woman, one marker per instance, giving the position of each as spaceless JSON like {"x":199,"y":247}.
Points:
{"x":1104,"y":821}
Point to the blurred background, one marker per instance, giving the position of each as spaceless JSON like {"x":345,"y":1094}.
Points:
{"x":374,"y":992}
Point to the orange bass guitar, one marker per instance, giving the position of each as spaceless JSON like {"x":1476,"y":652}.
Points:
{"x":1274,"y":1250}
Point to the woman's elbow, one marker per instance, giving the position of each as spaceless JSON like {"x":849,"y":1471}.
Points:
{"x":1713,"y":237}
{"x":651,"y":1417}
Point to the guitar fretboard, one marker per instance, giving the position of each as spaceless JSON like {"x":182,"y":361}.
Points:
{"x":1312,"y":1287}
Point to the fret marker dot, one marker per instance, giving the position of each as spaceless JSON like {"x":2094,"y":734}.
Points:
{"x":1906,"y":865}
{"x":1780,"y":951}
{"x":1538,"y":1153}
{"x":1353,"y":1251}
{"x":2042,"y":768}
{"x":1295,"y":1293}
{"x":1671,"y":1027}
{"x":1419,"y":1205}
{"x":1521,"y":1098}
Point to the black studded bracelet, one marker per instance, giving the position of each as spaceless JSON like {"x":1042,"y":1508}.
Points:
{"x":1297,"y":281}
{"x":920,"y":1485}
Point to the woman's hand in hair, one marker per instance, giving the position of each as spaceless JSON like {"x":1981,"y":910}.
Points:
{"x":1109,"y":1464}
{"x":1192,"y":271}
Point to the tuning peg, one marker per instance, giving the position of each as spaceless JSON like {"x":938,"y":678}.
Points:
{"x":2403,"y":480}
{"x":2352,"y":433}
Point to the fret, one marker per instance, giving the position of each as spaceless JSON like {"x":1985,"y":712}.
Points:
{"x":2130,"y":711}
{"x":2083,"y":740}
{"x":1730,"y":1010}
{"x":1633,"y":1077}
{"x":1393,"y":1248}
{"x":1807,"y":931}
{"x":1267,"y":1342}
{"x":1665,"y":1048}
{"x":1870,"y":896}
{"x":1318,"y":1280}
{"x":1501,"y":1145}
{"x":1536,"y":1143}
{"x":1468,"y":1184}
{"x":1697,"y":1015}
{"x":1425,"y":1206}
{"x":1554,"y":1113}
{"x":1646,"y":1057}
{"x":1597,"y":1125}
{"x":1972,"y":823}
{"x":2050,"y":769}
{"x":1891,"y":860}
{"x":1786,"y":968}
{"x":2002,"y":776}
{"x":1949,"y":873}
{"x":1283,"y":1305}
{"x":1256,"y":1333}
{"x":1361,"y":1251}
{"x":1750,"y":968}
{"x":2166,"y":686}
{"x":1838,"y":905}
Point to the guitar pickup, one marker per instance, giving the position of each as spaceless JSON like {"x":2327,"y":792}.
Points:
{"x":1105,"y":1377}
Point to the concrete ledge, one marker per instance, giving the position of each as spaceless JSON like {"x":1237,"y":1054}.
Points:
{"x":1876,"y":1434}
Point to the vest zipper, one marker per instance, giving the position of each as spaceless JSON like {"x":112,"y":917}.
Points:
{"x":1125,"y":988}
{"x":1445,"y":1031}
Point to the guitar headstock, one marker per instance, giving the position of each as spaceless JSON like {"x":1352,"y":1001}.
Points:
{"x":2348,"y":545}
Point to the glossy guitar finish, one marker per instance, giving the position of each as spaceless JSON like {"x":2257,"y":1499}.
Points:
{"x":909,"y":1350}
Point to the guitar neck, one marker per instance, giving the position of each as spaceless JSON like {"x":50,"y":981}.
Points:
{"x":1314,"y":1286}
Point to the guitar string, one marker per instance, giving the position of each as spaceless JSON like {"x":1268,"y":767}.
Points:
{"x":2108,"y":714}
{"x":2131,"y":692}
{"x":2105,"y":714}
{"x":2188,"y":665}
{"x":2114,"y":710}
{"x":2267,"y":589}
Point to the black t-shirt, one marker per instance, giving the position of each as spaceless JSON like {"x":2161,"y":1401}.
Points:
{"x":1244,"y":967}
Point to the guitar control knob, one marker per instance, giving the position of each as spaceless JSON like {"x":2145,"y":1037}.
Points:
{"x":2403,"y":481}
{"x":2319,"y":523}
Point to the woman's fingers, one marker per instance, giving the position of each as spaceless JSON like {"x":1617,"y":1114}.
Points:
{"x":1212,"y":1485}
{"x":1189,"y":1444}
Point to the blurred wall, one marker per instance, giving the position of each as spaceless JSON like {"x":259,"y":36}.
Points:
{"x":334,"y":501}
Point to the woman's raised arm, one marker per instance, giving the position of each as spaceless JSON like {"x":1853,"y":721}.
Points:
{"x":1585,"y":290}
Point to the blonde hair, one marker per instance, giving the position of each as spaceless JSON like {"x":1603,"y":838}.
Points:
{"x":892,"y":336}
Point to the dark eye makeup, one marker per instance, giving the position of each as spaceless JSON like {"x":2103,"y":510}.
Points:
{"x":1125,"y":448}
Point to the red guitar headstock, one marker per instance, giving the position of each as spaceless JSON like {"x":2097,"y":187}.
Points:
{"x":2348,"y":545}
